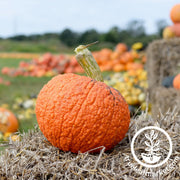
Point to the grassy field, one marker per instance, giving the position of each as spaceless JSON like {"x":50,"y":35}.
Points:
{"x":42,"y":46}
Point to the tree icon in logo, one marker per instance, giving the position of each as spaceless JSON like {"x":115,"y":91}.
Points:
{"x":154,"y":153}
{"x":152,"y":147}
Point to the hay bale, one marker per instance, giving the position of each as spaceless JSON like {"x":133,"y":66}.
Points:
{"x":163,"y":59}
{"x":35,"y":158}
{"x":165,"y":99}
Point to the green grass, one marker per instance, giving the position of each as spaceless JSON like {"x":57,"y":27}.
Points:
{"x":41,"y":46}
{"x":46,"y":45}
{"x":10,"y":62}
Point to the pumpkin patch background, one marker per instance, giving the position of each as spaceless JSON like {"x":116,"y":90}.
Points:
{"x":140,"y":61}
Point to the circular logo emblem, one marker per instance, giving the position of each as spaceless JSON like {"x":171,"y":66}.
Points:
{"x":151,"y":146}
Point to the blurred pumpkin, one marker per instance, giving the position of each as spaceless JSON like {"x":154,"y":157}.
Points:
{"x":126,"y":58}
{"x":133,"y":66}
{"x":106,"y":53}
{"x":144,"y":59}
{"x":176,"y":29}
{"x":8,"y":121}
{"x":107,"y":66}
{"x":121,"y":47}
{"x":175,"y":13}
{"x":168,"y":33}
{"x":176,"y":82}
{"x":119,"y":67}
{"x":115,"y":55}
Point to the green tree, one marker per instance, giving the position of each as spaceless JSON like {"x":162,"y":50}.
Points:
{"x":112,"y":35}
{"x":19,"y":38}
{"x":136,"y":28}
{"x":69,"y":37}
{"x":160,"y":24}
{"x":89,"y":36}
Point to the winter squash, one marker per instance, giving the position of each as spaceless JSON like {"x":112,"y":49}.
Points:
{"x":175,"y":13}
{"x":79,"y":113}
{"x":176,"y":82}
{"x":168,"y":32}
{"x":8,"y":121}
{"x":137,"y":46}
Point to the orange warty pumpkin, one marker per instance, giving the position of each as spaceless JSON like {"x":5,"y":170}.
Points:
{"x":176,"y":82}
{"x":175,"y":13}
{"x":77,"y":113}
{"x":8,"y":121}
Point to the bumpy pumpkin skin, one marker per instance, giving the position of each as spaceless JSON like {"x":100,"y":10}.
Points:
{"x":176,"y":82}
{"x":76,"y":113}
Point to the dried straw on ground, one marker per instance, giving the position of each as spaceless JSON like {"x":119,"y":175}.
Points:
{"x":34,"y":158}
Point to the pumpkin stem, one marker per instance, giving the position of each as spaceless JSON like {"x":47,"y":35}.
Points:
{"x":88,"y":45}
{"x":87,"y":62}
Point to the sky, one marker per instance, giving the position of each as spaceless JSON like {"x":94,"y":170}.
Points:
{"x":41,"y":16}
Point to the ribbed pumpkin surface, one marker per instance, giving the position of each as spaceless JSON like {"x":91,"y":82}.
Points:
{"x":77,"y":113}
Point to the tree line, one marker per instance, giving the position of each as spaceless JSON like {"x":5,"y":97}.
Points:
{"x":134,"y":32}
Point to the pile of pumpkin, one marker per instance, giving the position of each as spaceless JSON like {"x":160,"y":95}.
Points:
{"x":4,"y":82}
{"x":120,"y":59}
{"x":132,"y":85}
{"x":173,"y":30}
{"x":47,"y":65}
{"x":172,"y":81}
